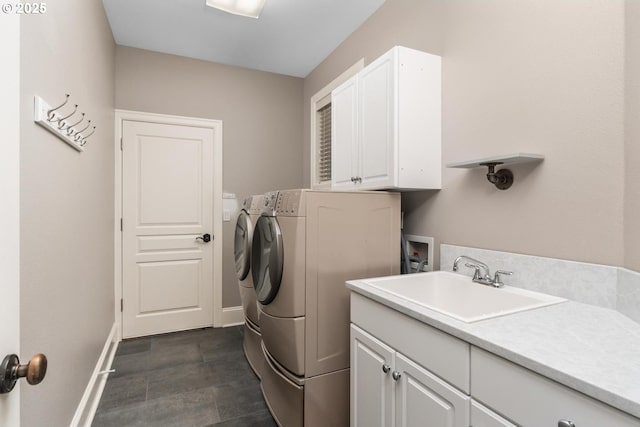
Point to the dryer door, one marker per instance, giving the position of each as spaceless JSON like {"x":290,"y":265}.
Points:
{"x":242,"y":245}
{"x":266,"y":259}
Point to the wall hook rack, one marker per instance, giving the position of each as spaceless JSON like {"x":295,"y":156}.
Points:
{"x":503,"y":178}
{"x":63,"y":122}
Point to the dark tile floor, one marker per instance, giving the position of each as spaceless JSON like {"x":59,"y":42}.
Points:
{"x":196,"y":378}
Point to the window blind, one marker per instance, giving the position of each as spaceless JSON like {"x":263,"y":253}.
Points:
{"x":323,"y":145}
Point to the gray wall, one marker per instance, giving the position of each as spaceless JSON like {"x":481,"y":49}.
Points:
{"x":534,"y":76}
{"x":632,"y":135}
{"x":66,"y":207}
{"x":261,"y":114}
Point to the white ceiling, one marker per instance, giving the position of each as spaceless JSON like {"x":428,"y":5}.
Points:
{"x":291,"y":36}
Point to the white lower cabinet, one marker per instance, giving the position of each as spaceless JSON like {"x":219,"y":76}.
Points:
{"x":405,"y":373}
{"x":389,"y":389}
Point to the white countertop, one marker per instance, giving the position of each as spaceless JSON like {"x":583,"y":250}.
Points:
{"x":590,"y":349}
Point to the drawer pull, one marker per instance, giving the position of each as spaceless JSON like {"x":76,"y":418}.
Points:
{"x":396,"y":375}
{"x":386,"y":368}
{"x":566,"y":423}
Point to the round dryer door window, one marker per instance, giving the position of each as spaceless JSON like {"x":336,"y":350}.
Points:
{"x":266,"y":259}
{"x":242,"y":245}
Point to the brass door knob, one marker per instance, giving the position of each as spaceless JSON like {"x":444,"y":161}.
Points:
{"x":11,"y":370}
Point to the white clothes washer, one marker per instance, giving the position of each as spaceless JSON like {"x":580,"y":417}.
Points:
{"x":305,"y":246}
{"x":252,"y":338}
{"x":245,"y":224}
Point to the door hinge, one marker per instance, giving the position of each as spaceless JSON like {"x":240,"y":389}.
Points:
{"x":121,"y":305}
{"x":121,"y":224}
{"x":120,"y":143}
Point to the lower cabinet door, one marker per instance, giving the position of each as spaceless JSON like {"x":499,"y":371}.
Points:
{"x":371,"y":388}
{"x":484,"y":417}
{"x":423,"y":399}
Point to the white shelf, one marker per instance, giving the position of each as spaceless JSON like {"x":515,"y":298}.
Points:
{"x":509,"y":159}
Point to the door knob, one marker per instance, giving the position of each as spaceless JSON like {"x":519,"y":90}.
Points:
{"x":205,"y":237}
{"x":11,"y":370}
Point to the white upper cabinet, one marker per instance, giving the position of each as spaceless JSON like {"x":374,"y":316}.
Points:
{"x":386,"y":124}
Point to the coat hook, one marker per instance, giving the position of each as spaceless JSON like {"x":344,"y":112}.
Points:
{"x":51,"y":114}
{"x":62,"y":123}
{"x":84,"y":139}
{"x":78,"y":136}
{"x":71,"y":128}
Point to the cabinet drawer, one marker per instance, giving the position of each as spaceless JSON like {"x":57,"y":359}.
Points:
{"x":502,"y":385}
{"x":444,"y":355}
{"x":484,"y":417}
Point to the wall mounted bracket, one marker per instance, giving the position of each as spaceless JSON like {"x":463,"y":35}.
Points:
{"x":502,"y":178}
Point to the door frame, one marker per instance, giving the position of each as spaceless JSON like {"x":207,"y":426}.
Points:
{"x":216,"y":127}
{"x":10,"y":111}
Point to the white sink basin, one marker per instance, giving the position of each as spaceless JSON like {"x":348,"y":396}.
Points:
{"x":455,"y":295}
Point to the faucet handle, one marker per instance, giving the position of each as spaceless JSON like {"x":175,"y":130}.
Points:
{"x":476,"y":275}
{"x":496,"y":278}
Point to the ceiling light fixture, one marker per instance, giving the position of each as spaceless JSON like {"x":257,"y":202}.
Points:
{"x":250,"y":8}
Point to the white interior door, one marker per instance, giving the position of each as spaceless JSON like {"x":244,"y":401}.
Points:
{"x":167,"y":206}
{"x":10,"y":208}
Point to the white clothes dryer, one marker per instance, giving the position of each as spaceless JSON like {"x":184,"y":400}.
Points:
{"x":305,"y":246}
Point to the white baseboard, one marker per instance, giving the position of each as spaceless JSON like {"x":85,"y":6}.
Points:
{"x":232,"y":316}
{"x":91,"y":398}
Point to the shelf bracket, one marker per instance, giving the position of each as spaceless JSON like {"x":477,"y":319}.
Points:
{"x":502,"y":179}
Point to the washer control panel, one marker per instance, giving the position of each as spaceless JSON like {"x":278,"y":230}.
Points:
{"x":256,"y":204}
{"x":289,"y":203}
{"x":269,"y":203}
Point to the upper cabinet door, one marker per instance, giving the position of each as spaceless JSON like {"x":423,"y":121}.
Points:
{"x":377,"y":123}
{"x":344,"y":149}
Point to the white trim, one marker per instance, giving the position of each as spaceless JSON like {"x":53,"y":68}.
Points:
{"x":322,"y":93}
{"x":10,"y":211}
{"x":232,"y":316}
{"x":216,"y":126}
{"x":91,"y":398}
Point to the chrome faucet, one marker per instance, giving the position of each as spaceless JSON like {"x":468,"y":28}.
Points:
{"x":484,"y":277}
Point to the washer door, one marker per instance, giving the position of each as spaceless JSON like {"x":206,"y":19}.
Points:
{"x":242,"y":245}
{"x":266,"y":259}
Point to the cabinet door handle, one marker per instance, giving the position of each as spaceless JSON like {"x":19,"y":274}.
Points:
{"x":396,"y":375}
{"x":386,"y":368}
{"x":566,"y":423}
